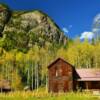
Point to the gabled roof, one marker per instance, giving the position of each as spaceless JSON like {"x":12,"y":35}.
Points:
{"x":88,"y":74}
{"x":57,"y":61}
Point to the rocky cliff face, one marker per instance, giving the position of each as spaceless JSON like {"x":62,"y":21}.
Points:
{"x":23,"y":29}
{"x":4,"y":17}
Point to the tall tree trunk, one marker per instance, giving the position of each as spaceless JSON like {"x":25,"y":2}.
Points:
{"x":28,"y":76}
{"x":12,"y":77}
{"x":37,"y":77}
{"x":32,"y":76}
{"x":46,"y":75}
{"x":46,"y":83}
{"x":35,"y":74}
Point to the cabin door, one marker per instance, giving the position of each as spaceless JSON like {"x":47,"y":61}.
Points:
{"x":65,"y":88}
{"x":55,"y":87}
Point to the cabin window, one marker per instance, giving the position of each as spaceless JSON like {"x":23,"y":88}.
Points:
{"x":58,"y":71}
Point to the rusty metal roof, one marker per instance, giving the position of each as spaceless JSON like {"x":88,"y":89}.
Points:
{"x":88,"y":74}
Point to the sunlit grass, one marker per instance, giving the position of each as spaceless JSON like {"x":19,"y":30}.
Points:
{"x":41,"y":94}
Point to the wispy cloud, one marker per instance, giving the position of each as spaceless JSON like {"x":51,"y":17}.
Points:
{"x":97,"y":18}
{"x":65,"y":30}
{"x":87,"y":35}
{"x":96,"y":24}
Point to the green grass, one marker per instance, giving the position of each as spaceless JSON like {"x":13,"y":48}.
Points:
{"x":46,"y":96}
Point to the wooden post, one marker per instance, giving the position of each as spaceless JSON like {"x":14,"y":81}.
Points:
{"x":1,"y":90}
{"x":87,"y":85}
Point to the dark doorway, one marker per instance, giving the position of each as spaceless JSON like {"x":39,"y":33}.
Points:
{"x":81,"y":85}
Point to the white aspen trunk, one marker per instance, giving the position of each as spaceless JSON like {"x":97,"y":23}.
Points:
{"x":90,"y":64}
{"x":46,"y":76}
{"x":28,"y":77}
{"x":12,"y":76}
{"x":46,"y":83}
{"x":87,"y":64}
{"x":6,"y":71}
{"x":37,"y":77}
{"x":42,"y":75}
{"x":32,"y":76}
{"x":77,"y":64}
{"x":96,"y":63}
{"x":9,"y":71}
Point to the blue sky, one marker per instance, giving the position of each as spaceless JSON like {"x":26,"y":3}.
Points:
{"x":73,"y":16}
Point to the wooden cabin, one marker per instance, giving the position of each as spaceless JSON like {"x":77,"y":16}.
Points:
{"x":88,"y":78}
{"x":63,"y":77}
{"x":60,"y":76}
{"x":5,"y":86}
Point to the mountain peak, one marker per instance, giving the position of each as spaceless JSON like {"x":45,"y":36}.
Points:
{"x":25,"y":28}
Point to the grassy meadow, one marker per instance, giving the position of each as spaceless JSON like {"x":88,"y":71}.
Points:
{"x":29,"y":95}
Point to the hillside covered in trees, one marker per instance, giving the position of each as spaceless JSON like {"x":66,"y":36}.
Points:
{"x":22,"y":29}
{"x":30,"y":41}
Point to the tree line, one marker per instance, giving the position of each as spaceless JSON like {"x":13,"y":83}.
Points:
{"x":29,"y":69}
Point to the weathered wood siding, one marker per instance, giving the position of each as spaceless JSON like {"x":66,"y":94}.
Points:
{"x":60,"y":76}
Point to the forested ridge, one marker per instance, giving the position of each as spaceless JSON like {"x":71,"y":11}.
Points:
{"x":27,"y":47}
{"x":30,"y":69}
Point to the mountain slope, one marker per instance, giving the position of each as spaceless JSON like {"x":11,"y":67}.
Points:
{"x":22,"y":29}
